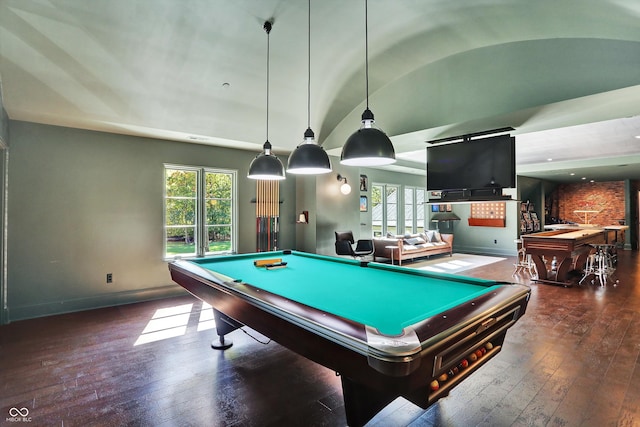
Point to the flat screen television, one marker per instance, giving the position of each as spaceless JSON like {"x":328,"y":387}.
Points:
{"x":487,"y":163}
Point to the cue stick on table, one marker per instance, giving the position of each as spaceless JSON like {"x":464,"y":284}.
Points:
{"x":263,"y":262}
{"x":276,"y":266}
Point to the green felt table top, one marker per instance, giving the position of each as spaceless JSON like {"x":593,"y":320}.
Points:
{"x":384,"y":297}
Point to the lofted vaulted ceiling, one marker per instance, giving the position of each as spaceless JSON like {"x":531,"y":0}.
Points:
{"x":564,"y":73}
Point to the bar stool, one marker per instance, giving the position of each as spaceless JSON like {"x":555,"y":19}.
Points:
{"x":609,"y":258}
{"x":524,"y":263}
{"x":590,"y":265}
{"x":600,"y":264}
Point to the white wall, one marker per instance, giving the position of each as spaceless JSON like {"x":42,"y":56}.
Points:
{"x":4,"y":144}
{"x":337,"y":212}
{"x":499,"y":241}
{"x":83,"y":204}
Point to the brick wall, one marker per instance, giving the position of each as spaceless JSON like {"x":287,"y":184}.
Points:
{"x":605,"y":197}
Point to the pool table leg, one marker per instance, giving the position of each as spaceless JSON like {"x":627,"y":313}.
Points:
{"x":541,"y":267}
{"x":361,"y":403}
{"x":562,"y":273}
{"x":224,"y":326}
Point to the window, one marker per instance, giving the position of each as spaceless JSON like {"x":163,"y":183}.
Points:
{"x":199,"y":211}
{"x":409,"y":214}
{"x":376,"y":210}
{"x":414,"y":209}
{"x":391,"y":211}
{"x":420,"y":216}
{"x":384,"y":209}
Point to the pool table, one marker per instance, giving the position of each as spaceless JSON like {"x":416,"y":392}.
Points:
{"x":388,"y":331}
{"x":570,"y":246}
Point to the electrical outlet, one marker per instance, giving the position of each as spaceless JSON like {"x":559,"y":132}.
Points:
{"x":109,"y":277}
{"x":495,"y":242}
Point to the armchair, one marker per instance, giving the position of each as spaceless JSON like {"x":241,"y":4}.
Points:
{"x":344,"y":245}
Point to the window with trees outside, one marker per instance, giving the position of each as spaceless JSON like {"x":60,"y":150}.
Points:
{"x":409,"y":214}
{"x":413,"y":209}
{"x":384,"y":209}
{"x":386,"y":200}
{"x":199,"y":211}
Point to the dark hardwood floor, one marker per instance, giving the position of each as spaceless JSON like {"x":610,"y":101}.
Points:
{"x":572,"y":360}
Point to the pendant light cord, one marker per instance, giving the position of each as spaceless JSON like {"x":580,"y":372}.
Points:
{"x":366,"y":48}
{"x":309,"y":68}
{"x":267,"y":28}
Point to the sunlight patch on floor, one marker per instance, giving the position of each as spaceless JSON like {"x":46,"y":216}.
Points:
{"x":436,"y":269}
{"x":448,"y":266}
{"x":171,"y":322}
{"x":206,"y":320}
{"x":460,"y":262}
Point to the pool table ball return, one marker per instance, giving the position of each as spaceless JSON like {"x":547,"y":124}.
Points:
{"x":388,"y":331}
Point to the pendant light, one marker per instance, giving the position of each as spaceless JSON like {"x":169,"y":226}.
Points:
{"x":266,"y":165}
{"x":309,"y":158}
{"x":368,"y":146}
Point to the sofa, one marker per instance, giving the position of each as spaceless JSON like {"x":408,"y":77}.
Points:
{"x":410,"y":246}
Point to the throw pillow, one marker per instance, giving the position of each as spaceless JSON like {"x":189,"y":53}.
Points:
{"x":434,"y":236}
{"x":429,"y":234}
{"x":414,"y":241}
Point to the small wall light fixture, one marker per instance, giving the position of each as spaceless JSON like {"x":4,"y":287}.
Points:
{"x":345,"y":188}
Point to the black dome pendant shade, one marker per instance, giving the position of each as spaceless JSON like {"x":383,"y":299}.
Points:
{"x":368,"y":146}
{"x":309,"y":158}
{"x":266,"y":166}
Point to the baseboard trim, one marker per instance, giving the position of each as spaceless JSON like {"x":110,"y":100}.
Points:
{"x":25,"y":312}
{"x":486,"y":250}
